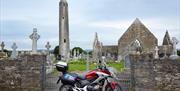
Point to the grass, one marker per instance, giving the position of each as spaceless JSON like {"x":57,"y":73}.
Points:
{"x":118,"y":66}
{"x":81,"y":65}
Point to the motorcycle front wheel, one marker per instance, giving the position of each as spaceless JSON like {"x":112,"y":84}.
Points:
{"x":117,"y":88}
{"x":66,"y":88}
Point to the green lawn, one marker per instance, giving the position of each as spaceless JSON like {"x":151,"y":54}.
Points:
{"x":81,"y":65}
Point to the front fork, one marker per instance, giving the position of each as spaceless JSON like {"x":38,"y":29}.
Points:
{"x":58,"y":80}
{"x":107,"y":82}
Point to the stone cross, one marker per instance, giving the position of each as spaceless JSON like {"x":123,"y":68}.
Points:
{"x":48,"y":46}
{"x":165,"y":51}
{"x":34,"y":37}
{"x":74,"y":52}
{"x":156,"y":52}
{"x":103,"y":61}
{"x":14,"y":52}
{"x":175,"y":42}
{"x":2,"y":46}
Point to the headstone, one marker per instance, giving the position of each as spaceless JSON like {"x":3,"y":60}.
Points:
{"x":80,"y":56}
{"x":119,"y":58}
{"x":2,"y":46}
{"x":174,"y":53}
{"x":165,"y":51}
{"x":22,"y":53}
{"x":34,"y":37}
{"x":83,"y":55}
{"x":74,"y":54}
{"x":2,"y":53}
{"x":103,"y":60}
{"x":77,"y":54}
{"x":14,"y":52}
{"x":127,"y":61}
{"x":87,"y":62}
{"x":156,"y":52}
{"x":48,"y":46}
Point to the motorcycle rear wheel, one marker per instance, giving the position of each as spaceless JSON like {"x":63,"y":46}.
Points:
{"x":109,"y":88}
{"x":66,"y":88}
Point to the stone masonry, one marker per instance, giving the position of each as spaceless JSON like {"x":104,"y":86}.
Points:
{"x":24,"y":74}
{"x":148,"y":74}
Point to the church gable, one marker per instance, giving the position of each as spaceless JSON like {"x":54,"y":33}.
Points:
{"x":166,"y":40}
{"x":138,"y":31}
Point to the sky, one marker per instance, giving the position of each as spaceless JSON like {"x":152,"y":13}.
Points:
{"x":109,"y":18}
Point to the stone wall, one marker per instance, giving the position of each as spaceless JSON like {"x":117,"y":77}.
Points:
{"x":110,"y":52}
{"x":23,"y":74}
{"x":148,"y":74}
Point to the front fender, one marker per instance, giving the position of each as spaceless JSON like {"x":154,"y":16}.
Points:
{"x":108,"y":83}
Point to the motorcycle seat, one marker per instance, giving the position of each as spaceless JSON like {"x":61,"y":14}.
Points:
{"x":81,"y":77}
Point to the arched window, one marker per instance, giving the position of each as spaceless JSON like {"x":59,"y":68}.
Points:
{"x":136,"y":46}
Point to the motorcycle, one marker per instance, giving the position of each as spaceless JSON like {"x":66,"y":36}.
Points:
{"x":100,"y":79}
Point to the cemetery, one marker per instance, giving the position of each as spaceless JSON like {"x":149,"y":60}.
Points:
{"x":139,"y":63}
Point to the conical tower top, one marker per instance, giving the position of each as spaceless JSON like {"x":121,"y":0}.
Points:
{"x":63,"y":1}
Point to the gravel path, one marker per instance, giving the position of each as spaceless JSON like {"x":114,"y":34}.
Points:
{"x":51,"y":83}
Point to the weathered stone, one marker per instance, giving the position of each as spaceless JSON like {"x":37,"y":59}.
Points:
{"x":22,"y":74}
{"x":64,"y":45}
{"x":177,"y":89}
{"x":154,"y":74}
{"x":34,"y":37}
{"x":137,"y":33}
{"x":97,"y":49}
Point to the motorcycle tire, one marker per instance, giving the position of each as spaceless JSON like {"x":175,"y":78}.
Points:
{"x":109,"y":88}
{"x":66,"y":88}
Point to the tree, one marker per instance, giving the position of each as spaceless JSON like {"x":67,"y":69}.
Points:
{"x":56,"y":51}
{"x":79,"y":49}
{"x":178,"y":52}
{"x":90,"y":52}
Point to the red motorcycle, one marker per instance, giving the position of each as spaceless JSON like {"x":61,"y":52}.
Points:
{"x":100,"y":79}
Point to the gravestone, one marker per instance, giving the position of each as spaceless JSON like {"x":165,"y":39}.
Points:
{"x":156,"y":52}
{"x":34,"y":37}
{"x":2,"y":53}
{"x":127,"y":61}
{"x":87,"y":62}
{"x":48,"y":46}
{"x":2,"y":46}
{"x":165,"y":51}
{"x":74,"y":54}
{"x":174,"y":53}
{"x":77,"y":55}
{"x":14,"y":52}
{"x":104,"y":61}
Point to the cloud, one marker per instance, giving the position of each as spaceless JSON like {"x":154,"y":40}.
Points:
{"x":153,"y":23}
{"x":110,"y":18}
{"x":157,"y":26}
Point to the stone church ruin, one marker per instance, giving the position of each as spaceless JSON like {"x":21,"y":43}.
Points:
{"x":137,"y":39}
